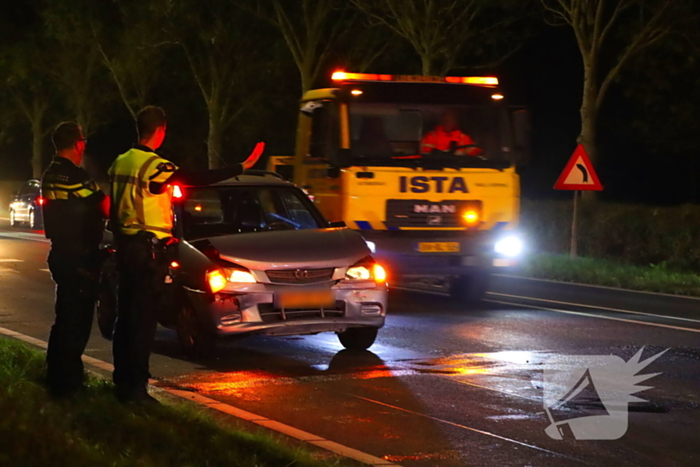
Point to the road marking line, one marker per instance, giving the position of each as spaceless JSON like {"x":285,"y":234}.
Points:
{"x":617,"y":310}
{"x":273,"y":425}
{"x":508,"y":393}
{"x":580,"y":313}
{"x":475,"y":430}
{"x":45,"y":270}
{"x":607,"y":287}
{"x":8,"y":260}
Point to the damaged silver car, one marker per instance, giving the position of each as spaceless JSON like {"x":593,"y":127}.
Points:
{"x":257,"y":257}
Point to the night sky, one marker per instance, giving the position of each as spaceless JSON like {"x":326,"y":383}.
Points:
{"x":545,"y":75}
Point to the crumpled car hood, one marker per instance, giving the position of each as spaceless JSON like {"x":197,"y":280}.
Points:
{"x":290,"y":249}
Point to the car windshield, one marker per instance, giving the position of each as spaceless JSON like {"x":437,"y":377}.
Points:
{"x":397,"y":134}
{"x":226,"y":210}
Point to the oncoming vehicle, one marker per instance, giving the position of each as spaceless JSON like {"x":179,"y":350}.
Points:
{"x":256,"y":257}
{"x":424,"y":167}
{"x":25,"y":207}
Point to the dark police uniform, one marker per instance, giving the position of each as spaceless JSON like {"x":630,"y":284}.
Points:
{"x":74,"y":223}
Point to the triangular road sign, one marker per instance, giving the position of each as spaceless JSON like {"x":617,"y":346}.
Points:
{"x":579,"y":173}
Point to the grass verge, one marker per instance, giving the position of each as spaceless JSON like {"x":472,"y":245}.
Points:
{"x":93,"y":429}
{"x":611,"y":274}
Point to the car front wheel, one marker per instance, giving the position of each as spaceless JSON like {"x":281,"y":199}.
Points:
{"x":32,"y":219}
{"x":193,"y":337}
{"x":358,"y":338}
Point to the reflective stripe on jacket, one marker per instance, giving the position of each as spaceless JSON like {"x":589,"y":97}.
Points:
{"x":134,"y":206}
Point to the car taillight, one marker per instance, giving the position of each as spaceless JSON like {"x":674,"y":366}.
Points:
{"x":41,"y":201}
{"x":177,"y":192}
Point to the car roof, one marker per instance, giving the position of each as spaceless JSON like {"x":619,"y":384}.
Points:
{"x":247,"y":180}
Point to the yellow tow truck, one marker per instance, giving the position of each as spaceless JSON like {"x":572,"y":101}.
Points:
{"x":362,"y":156}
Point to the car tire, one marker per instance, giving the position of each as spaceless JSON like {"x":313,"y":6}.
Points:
{"x":358,"y":338}
{"x":106,"y":310}
{"x":32,"y":219}
{"x":13,"y":219}
{"x":470,"y":288}
{"x":193,"y":337}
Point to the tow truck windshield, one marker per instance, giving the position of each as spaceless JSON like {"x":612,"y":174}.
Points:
{"x":226,"y":210}
{"x":406,"y":124}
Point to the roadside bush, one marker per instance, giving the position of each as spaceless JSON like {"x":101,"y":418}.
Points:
{"x":664,"y":237}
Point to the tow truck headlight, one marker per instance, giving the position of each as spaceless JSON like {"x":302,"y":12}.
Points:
{"x":510,"y":246}
{"x":471,"y":217}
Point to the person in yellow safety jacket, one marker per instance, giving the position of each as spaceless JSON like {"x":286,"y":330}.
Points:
{"x":142,"y":221}
{"x":443,"y":136}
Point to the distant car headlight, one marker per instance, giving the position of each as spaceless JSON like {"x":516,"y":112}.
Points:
{"x":366,"y":272}
{"x":510,"y":246}
{"x":218,"y":278}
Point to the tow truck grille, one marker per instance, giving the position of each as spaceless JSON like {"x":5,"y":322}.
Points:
{"x":300,"y":276}
{"x":423,"y":213}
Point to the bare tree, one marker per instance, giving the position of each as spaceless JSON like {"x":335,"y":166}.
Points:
{"x":75,"y":65}
{"x":610,"y":28}
{"x":442,"y":31}
{"x":311,"y":30}
{"x":131,"y":49}
{"x":224,"y":53}
{"x":31,"y":89}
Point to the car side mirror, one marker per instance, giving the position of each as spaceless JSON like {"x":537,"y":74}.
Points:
{"x":521,"y":136}
{"x":337,"y":224}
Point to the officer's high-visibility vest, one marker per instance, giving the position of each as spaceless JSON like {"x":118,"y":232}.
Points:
{"x":134,"y":207}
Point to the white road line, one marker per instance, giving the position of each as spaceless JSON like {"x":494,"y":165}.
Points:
{"x":606,"y":287}
{"x":45,"y":270}
{"x":580,"y":313}
{"x":8,"y":260}
{"x":617,"y":310}
{"x":678,"y":328}
{"x":273,"y":425}
{"x":475,"y":430}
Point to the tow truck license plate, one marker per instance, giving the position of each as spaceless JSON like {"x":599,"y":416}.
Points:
{"x":311,"y":299}
{"x":438,"y":247}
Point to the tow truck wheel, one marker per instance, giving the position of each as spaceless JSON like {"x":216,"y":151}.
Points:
{"x":469,"y":288}
{"x":358,"y":338}
{"x":194,"y":340}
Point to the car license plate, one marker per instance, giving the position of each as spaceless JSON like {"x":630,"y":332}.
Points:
{"x":310,"y":299}
{"x":438,"y":247}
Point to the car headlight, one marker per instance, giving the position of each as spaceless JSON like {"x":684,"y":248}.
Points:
{"x":510,"y":246}
{"x":372,"y":246}
{"x":218,"y":278}
{"x":366,"y":272}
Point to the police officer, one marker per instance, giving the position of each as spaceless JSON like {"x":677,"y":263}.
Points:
{"x":74,"y":215}
{"x":142,"y":219}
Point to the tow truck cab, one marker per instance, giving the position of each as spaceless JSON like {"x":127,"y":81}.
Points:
{"x":359,"y":157}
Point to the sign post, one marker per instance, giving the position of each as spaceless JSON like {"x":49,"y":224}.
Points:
{"x":578,"y":175}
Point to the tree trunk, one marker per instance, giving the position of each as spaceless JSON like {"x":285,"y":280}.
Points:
{"x":37,"y":146}
{"x":214,"y":141}
{"x":589,"y":122}
{"x":426,"y":65}
{"x":306,"y":77}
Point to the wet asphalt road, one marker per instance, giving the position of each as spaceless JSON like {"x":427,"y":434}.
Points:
{"x":445,"y":384}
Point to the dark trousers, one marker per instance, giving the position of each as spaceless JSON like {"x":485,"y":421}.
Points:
{"x":75,"y":276}
{"x":142,"y":268}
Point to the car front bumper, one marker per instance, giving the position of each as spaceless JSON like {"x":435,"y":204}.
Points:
{"x":250,"y":309}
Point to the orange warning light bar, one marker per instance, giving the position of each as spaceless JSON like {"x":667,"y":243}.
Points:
{"x":475,"y":80}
